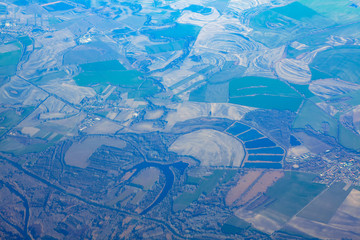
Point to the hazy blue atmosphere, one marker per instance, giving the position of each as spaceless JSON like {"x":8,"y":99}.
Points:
{"x":179,"y":119}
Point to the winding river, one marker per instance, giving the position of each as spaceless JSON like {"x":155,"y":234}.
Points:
{"x":169,"y":178}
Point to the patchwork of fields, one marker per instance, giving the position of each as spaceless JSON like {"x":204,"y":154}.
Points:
{"x":291,"y":204}
{"x":181,"y":119}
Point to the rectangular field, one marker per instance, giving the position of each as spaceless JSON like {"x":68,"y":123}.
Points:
{"x":292,"y":192}
{"x":325,"y":206}
{"x":320,"y":121}
{"x":242,"y":185}
{"x":263,"y":93}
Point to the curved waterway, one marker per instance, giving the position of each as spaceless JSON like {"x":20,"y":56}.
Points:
{"x":169,"y":178}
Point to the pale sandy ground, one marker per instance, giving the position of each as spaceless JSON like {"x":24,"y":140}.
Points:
{"x":294,"y":71}
{"x":79,"y":152}
{"x":242,"y":185}
{"x":268,"y":179}
{"x":211,"y":147}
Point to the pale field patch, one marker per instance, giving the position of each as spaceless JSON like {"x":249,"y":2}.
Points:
{"x":294,"y":71}
{"x":4,"y":48}
{"x":321,"y":230}
{"x":147,"y":177}
{"x":190,"y":110}
{"x":189,"y":17}
{"x":297,"y":151}
{"x":69,"y":91}
{"x":344,"y":224}
{"x":259,"y":221}
{"x":211,"y":147}
{"x":31,"y":131}
{"x":79,"y":152}
{"x":330,"y":87}
{"x":48,"y":52}
{"x":265,"y":181}
{"x":104,"y":126}
{"x":152,"y":115}
{"x":242,"y":185}
{"x":348,"y":214}
{"x":111,"y":115}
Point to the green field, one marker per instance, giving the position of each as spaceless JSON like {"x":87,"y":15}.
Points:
{"x":198,"y":9}
{"x":129,"y":79}
{"x":260,"y":20}
{"x":259,"y":85}
{"x":275,"y":36}
{"x":58,"y":6}
{"x":342,"y":62}
{"x":11,"y":117}
{"x":192,"y":180}
{"x":217,"y":93}
{"x":277,"y":26}
{"x":217,"y":87}
{"x":108,"y":72}
{"x":290,"y":194}
{"x":100,"y":74}
{"x":53,"y":21}
{"x":48,"y":77}
{"x":10,"y":58}
{"x":220,"y":5}
{"x":348,"y":138}
{"x":303,"y":90}
{"x":21,"y":2}
{"x":228,"y":71}
{"x":191,"y":77}
{"x":8,"y":70}
{"x":354,"y":98}
{"x":340,"y":11}
{"x":205,"y":186}
{"x":46,"y":134}
{"x":321,"y":37}
{"x":166,"y":47}
{"x":178,"y":31}
{"x":112,"y":65}
{"x":268,"y":102}
{"x":317,"y":74}
{"x":20,"y":146}
{"x":235,"y":225}
{"x":312,"y":115}
{"x":198,"y":95}
{"x":264,"y":93}
{"x":324,"y":207}
{"x":296,"y":11}
{"x":48,"y":129}
{"x":161,"y":17}
{"x":145,"y":89}
{"x":229,"y":174}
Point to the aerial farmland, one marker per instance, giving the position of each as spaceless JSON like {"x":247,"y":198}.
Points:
{"x":179,"y":119}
